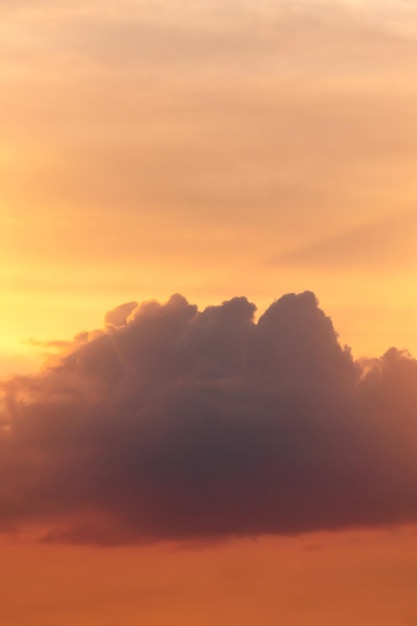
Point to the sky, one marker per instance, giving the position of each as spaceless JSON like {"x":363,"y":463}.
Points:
{"x":207,"y":265}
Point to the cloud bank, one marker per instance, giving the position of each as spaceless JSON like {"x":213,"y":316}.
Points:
{"x":171,"y":423}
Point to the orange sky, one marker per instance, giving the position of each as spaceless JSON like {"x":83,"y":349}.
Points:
{"x":214,"y":148}
{"x":366,"y":579}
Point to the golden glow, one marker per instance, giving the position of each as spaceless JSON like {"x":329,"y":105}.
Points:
{"x":195,"y":148}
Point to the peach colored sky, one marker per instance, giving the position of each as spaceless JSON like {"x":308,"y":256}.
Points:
{"x":210,"y":148}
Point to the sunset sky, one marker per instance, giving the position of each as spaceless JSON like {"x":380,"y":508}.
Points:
{"x":219,"y":456}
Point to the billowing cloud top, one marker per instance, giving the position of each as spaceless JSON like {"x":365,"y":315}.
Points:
{"x":177,"y":424}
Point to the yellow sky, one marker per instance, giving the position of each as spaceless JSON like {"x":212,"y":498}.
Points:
{"x":210,"y":148}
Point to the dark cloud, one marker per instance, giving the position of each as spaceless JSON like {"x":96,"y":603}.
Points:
{"x":177,"y":424}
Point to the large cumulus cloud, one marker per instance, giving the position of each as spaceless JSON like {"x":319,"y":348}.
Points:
{"x":172,"y":423}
